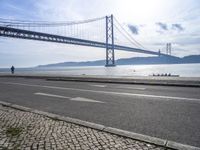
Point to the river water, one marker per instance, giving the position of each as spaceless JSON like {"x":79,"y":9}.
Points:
{"x":183,"y":70}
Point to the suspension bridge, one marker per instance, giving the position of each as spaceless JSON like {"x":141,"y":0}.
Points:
{"x":104,"y":32}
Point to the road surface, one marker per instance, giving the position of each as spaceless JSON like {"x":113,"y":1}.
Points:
{"x":166,"y":112}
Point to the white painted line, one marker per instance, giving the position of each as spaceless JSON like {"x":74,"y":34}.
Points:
{"x":106,"y":92}
{"x":117,"y":87}
{"x":51,"y":95}
{"x":131,"y":88}
{"x":98,"y":85}
{"x":81,"y":99}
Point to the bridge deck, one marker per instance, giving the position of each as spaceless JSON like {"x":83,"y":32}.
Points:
{"x":31,"y":35}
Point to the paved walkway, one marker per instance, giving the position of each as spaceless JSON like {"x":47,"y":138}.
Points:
{"x":25,"y":130}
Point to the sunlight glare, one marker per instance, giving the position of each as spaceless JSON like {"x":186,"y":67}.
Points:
{"x":140,"y":10}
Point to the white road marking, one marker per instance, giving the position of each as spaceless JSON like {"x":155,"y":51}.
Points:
{"x":117,"y":87}
{"x":81,"y":99}
{"x":106,"y":92}
{"x":131,"y":88}
{"x":52,"y":95}
{"x":98,"y":85}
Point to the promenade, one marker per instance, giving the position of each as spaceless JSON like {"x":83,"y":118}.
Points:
{"x":30,"y":131}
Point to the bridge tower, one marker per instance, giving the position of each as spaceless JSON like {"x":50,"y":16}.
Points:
{"x":110,"y":54}
{"x":168,"y":48}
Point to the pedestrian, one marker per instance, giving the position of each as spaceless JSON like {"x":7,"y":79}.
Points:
{"x":12,"y":69}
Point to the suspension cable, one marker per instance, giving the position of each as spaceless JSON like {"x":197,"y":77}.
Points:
{"x":128,"y":33}
{"x":126,"y":36}
{"x":25,"y":23}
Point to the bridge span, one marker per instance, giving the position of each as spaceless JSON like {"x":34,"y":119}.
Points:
{"x":12,"y":30}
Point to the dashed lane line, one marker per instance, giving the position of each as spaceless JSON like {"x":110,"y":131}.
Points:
{"x":107,"y":92}
{"x":80,"y":99}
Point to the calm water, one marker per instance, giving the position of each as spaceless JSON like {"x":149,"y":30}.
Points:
{"x":184,"y":70}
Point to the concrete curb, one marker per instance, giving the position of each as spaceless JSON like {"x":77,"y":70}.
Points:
{"x":113,"y":80}
{"x":136,"y":136}
{"x":128,"y":82}
{"x":132,"y":135}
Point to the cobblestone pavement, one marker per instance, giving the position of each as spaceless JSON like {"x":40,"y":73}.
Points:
{"x":25,"y":130}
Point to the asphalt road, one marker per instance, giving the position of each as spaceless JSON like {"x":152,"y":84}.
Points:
{"x":165,"y":112}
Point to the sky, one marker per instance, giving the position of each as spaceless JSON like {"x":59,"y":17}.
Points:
{"x":153,"y":23}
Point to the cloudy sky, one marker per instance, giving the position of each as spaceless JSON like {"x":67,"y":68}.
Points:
{"x":151,"y":22}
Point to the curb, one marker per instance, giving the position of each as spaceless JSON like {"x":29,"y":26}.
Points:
{"x":113,"y":80}
{"x":127,"y":134}
{"x":138,"y":82}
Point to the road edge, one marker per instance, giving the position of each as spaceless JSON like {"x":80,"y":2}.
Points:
{"x":157,"y":82}
{"x":127,"y":134}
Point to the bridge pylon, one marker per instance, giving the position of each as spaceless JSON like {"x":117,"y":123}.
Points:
{"x":110,"y":54}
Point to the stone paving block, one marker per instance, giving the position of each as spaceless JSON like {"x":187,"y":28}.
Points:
{"x":39,"y":132}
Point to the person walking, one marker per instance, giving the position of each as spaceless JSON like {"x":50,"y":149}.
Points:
{"x":12,"y":69}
